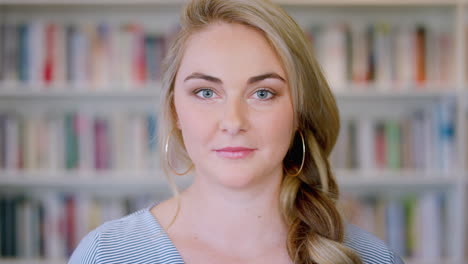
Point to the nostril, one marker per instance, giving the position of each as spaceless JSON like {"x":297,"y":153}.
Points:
{"x":233,"y":120}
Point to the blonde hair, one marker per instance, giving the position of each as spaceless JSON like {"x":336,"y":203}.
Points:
{"x":308,"y":200}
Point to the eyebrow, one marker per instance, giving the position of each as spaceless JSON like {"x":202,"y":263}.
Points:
{"x":254,"y":79}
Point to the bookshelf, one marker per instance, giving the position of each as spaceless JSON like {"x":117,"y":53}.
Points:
{"x":435,"y":100}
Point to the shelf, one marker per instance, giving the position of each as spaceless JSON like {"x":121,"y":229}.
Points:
{"x":127,"y":181}
{"x":144,"y":93}
{"x":281,"y":2}
{"x":405,"y":178}
{"x":149,"y":181}
{"x":424,"y":94}
{"x":355,"y":101}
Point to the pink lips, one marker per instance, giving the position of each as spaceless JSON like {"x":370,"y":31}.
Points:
{"x":234,"y":152}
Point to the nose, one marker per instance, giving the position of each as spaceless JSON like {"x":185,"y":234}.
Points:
{"x":234,"y":118}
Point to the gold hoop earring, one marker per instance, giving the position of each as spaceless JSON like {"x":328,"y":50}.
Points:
{"x":166,"y":150}
{"x":303,"y":157}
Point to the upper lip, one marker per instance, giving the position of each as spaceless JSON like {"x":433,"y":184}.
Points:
{"x":234,"y":149}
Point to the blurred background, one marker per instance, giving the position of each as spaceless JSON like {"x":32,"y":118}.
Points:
{"x":79,"y":91}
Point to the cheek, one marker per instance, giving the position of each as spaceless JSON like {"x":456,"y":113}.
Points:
{"x":194,"y":122}
{"x":276,"y":129}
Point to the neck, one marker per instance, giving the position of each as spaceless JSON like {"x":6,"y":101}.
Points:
{"x":235,"y":219}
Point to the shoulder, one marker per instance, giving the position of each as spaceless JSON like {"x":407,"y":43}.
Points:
{"x":371,"y":249}
{"x":136,"y":238}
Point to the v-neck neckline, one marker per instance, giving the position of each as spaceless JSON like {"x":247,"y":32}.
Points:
{"x":163,"y":232}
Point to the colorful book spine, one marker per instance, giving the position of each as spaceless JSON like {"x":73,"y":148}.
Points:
{"x":423,"y":139}
{"x":78,"y":141}
{"x":50,"y":225}
{"x":412,"y":224}
{"x":44,"y":55}
{"x":385,"y":56}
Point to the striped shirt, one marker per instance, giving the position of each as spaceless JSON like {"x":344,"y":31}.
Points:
{"x":139,"y":238}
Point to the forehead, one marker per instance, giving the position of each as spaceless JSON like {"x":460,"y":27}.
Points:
{"x":222,"y":48}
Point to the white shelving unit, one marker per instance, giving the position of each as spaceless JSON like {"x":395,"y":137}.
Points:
{"x":163,"y":13}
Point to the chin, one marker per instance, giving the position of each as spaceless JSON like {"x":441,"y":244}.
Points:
{"x":237,"y":178}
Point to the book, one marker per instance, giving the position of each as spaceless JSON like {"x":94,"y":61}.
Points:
{"x":422,"y":138}
{"x":50,"y":225}
{"x":79,"y":141}
{"x":384,"y":55}
{"x":412,"y":224}
{"x":41,"y":54}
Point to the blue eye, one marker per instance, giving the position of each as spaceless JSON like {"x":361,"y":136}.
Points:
{"x":205,"y":93}
{"x":264,"y":94}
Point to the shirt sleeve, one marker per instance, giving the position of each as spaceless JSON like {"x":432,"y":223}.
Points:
{"x":86,"y":251}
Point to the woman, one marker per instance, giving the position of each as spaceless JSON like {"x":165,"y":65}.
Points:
{"x":247,"y":110}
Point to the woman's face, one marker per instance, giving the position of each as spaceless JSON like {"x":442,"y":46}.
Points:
{"x":233,"y":105}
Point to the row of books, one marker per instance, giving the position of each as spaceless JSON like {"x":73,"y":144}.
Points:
{"x":385,"y":56}
{"x":50,"y":225}
{"x":105,"y":55}
{"x":78,"y":141}
{"x":414,"y":225}
{"x":98,"y":56}
{"x":423,"y":140}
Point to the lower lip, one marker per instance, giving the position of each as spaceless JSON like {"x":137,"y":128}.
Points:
{"x":234,"y":154}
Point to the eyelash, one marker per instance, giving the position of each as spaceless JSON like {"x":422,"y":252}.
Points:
{"x":201,"y":90}
{"x":273,"y":94}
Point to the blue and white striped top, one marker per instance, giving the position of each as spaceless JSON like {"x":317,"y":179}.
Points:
{"x":139,"y":238}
